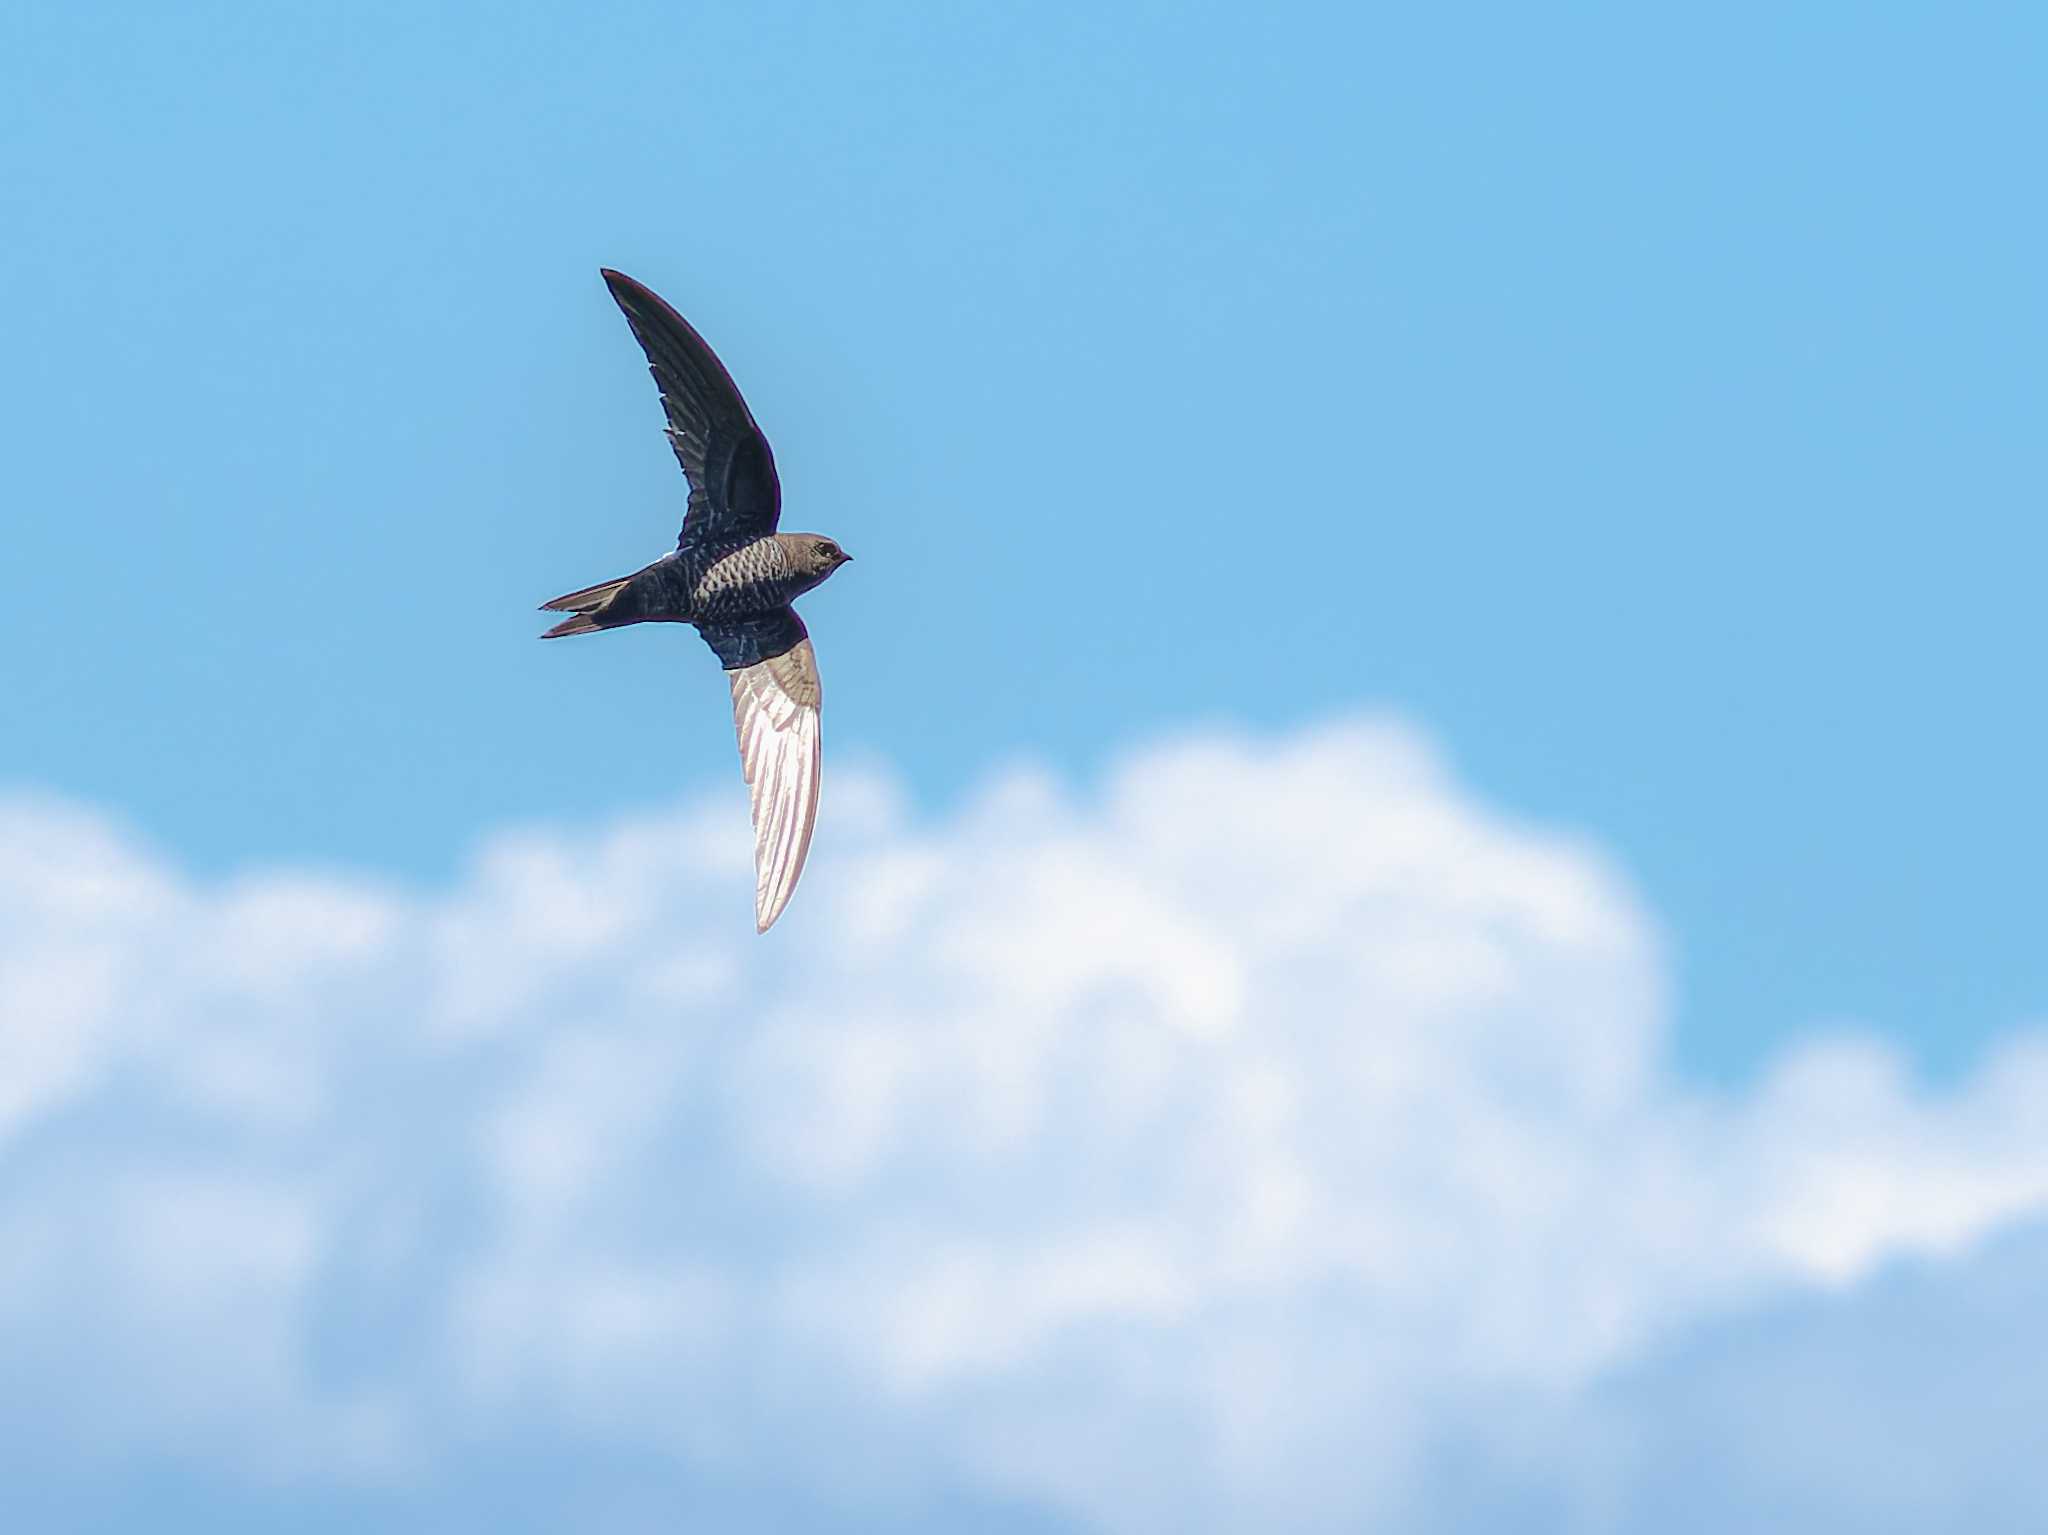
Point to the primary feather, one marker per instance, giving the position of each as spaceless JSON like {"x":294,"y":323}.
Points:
{"x":775,"y":713}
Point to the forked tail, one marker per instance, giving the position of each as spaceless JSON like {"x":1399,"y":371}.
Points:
{"x":587,"y":608}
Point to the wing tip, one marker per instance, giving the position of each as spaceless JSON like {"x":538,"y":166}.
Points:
{"x":766,"y":917}
{"x":624,"y":288}
{"x":627,"y":293}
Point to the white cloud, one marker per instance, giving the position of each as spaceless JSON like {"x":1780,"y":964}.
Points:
{"x":1207,"y":1152}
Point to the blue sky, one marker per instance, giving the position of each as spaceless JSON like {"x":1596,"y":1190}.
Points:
{"x":1640,"y":409}
{"x":1647,"y":405}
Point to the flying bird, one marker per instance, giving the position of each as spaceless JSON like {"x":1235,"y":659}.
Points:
{"x":733,"y":576}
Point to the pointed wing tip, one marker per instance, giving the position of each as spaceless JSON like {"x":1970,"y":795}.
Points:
{"x":769,"y":905}
{"x":624,"y":287}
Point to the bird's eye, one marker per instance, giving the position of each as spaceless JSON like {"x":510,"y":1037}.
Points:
{"x":823,"y":550}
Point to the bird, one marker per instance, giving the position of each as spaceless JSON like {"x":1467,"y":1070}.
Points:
{"x":733,"y":576}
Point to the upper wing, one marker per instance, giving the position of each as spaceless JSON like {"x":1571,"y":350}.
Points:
{"x":733,"y":489}
{"x":775,"y":712}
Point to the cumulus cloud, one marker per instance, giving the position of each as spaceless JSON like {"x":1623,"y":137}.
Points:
{"x":1237,"y":1144}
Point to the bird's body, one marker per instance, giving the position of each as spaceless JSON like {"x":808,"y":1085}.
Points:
{"x":733,"y":576}
{"x":690,"y":586}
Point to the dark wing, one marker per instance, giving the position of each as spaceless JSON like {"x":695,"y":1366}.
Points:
{"x":733,"y":489}
{"x":775,"y":713}
{"x":755,"y":637}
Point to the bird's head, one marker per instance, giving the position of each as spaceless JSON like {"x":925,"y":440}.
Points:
{"x":813,"y":555}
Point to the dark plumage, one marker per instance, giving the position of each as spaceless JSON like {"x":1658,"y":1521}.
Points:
{"x":733,"y":576}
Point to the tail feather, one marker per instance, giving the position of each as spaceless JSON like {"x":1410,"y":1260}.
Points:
{"x":581,"y":623}
{"x":586,"y":606}
{"x":591,"y":597}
